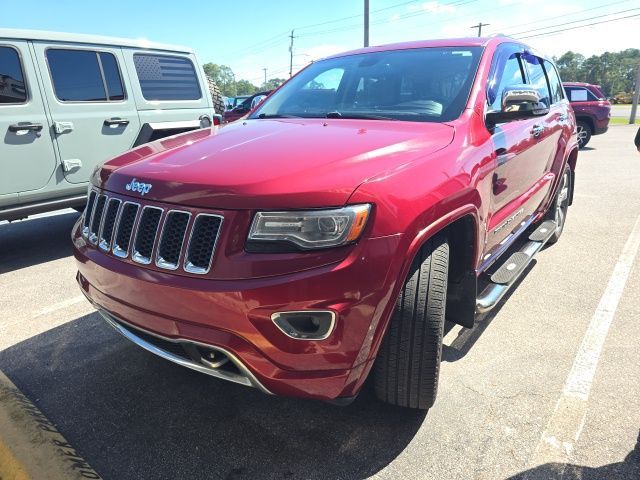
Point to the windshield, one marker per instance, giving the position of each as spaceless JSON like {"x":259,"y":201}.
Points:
{"x":421,"y":85}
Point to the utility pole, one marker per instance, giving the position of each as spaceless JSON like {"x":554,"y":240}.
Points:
{"x":265,"y":76}
{"x":366,"y":23}
{"x":479,"y":27}
{"x":291,"y":54}
{"x":636,"y":97}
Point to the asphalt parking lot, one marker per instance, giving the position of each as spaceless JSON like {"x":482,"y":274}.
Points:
{"x":132,"y":415}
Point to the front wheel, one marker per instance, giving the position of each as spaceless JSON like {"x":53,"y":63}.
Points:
{"x":408,"y":363}
{"x":559,"y":208}
{"x":584,"y":134}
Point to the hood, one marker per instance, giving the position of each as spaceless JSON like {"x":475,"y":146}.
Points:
{"x":270,"y":164}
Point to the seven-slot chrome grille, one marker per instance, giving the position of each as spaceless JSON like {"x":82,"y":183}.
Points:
{"x":149,"y":234}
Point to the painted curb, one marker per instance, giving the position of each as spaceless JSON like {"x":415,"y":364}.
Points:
{"x":31,"y":447}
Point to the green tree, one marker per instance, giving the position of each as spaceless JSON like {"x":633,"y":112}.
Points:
{"x":570,"y":65}
{"x":273,"y":83}
{"x":223,"y":76}
{"x":245,"y":87}
{"x":613,"y":71}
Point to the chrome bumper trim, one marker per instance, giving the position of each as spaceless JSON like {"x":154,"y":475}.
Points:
{"x":246,"y":378}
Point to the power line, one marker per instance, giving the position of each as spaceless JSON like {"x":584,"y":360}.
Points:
{"x":577,"y":21}
{"x":269,"y":41}
{"x":561,"y":16}
{"x":379,"y":22}
{"x":580,"y":26}
{"x":279,"y":39}
{"x":337,"y":20}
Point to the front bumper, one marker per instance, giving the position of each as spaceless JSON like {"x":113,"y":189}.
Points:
{"x":601,"y":127}
{"x":234,"y":316}
{"x":187,"y":353}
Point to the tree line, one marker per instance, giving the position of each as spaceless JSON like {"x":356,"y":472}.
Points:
{"x":615,"y":72}
{"x":224,"y":77}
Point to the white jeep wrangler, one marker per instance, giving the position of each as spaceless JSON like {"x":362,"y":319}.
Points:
{"x":69,"y":102}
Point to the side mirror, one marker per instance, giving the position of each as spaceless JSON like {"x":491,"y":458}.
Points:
{"x":518,"y":102}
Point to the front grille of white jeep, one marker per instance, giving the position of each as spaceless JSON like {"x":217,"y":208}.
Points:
{"x":171,"y":239}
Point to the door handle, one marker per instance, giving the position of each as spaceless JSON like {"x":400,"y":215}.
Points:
{"x":18,"y":127}
{"x":116,"y":121}
{"x":537,"y":130}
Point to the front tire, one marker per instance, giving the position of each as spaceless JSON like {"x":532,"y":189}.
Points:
{"x":584,"y":134}
{"x":559,"y":208}
{"x":408,"y":363}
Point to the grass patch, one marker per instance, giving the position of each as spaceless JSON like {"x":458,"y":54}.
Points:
{"x":622,"y":121}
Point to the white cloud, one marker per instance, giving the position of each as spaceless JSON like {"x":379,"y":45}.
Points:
{"x":551,"y":9}
{"x":432,"y":7}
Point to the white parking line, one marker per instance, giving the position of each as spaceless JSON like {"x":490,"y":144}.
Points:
{"x":42,"y":215}
{"x":59,"y":306}
{"x":566,"y":423}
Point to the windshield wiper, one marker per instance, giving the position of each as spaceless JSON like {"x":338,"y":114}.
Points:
{"x":354,"y":115}
{"x":277,"y":115}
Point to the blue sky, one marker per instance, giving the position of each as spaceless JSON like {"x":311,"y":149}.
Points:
{"x":254,"y":37}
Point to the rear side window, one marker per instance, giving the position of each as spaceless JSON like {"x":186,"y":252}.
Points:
{"x":12,"y":85}
{"x":537,"y":78}
{"x":580,"y":94}
{"x":85,"y":75}
{"x":112,"y":78}
{"x":164,"y":77}
{"x":554,"y":82}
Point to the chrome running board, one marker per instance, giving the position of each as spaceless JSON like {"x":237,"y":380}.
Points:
{"x":505,"y":277}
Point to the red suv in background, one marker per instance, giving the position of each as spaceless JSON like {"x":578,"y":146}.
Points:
{"x":327,"y":237}
{"x":592,"y":109}
{"x":248,"y":104}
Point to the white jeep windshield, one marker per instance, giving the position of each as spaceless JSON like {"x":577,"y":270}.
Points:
{"x":420,"y":84}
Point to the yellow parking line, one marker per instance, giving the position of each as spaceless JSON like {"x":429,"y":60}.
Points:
{"x":31,"y":447}
{"x":10,"y":467}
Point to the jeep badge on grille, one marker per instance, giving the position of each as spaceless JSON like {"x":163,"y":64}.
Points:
{"x":136,"y":186}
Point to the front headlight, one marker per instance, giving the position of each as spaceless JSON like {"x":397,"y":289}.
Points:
{"x":307,"y":230}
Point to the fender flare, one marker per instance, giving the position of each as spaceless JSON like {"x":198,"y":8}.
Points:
{"x":467,"y":209}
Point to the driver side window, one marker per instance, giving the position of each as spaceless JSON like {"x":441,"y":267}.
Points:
{"x":327,"y":80}
{"x":509,"y":72}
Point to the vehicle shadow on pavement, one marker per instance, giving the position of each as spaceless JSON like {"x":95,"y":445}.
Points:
{"x":134,"y":415}
{"x":467,"y":337}
{"x":628,"y":469}
{"x":34,"y":241}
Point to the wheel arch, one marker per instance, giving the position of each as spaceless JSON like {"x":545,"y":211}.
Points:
{"x":462,"y":229}
{"x":588,"y":120}
{"x":572,"y":161}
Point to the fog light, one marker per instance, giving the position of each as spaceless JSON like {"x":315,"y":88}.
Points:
{"x":305,"y":324}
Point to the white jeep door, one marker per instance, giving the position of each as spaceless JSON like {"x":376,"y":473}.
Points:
{"x":94,"y":115}
{"x":27,"y":156}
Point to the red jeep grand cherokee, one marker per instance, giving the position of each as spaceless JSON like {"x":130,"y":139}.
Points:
{"x":327,"y":237}
{"x":592,"y":110}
